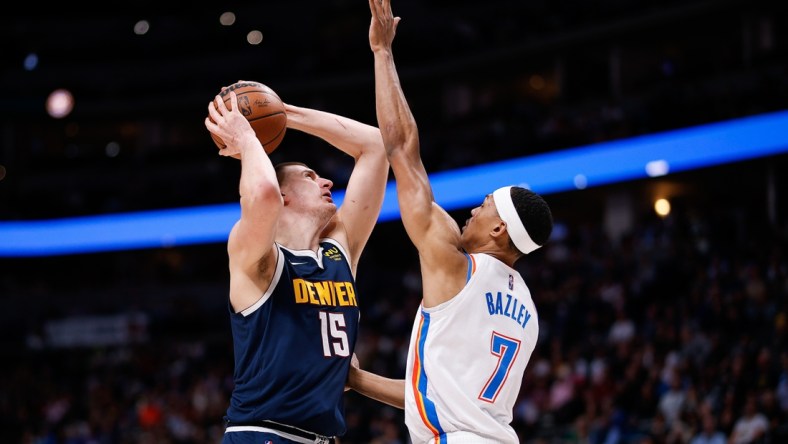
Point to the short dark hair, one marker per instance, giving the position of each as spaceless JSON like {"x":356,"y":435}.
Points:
{"x":280,"y":169}
{"x":534,"y":213}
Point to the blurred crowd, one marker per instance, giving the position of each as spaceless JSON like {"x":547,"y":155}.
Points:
{"x":674,"y":333}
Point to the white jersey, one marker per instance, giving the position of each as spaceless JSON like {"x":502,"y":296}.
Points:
{"x":467,"y":357}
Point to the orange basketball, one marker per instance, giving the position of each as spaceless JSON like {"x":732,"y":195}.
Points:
{"x":264,"y":110}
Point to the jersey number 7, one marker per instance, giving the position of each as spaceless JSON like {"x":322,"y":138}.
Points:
{"x":506,"y":349}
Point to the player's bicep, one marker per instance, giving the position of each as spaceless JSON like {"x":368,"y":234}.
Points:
{"x":252,"y":237}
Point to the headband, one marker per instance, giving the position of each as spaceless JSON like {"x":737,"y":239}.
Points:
{"x":507,"y":212}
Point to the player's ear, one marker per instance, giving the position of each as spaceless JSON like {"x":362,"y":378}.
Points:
{"x":498,"y":229}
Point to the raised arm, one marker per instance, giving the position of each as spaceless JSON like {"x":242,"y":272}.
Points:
{"x":434,"y":233}
{"x":364,"y":194}
{"x":251,"y":244}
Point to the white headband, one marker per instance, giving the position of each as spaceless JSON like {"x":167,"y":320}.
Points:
{"x":507,"y":212}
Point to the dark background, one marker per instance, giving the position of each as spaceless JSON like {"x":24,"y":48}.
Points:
{"x":704,"y":289}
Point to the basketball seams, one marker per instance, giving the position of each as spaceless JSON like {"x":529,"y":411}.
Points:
{"x":280,"y":134}
{"x":258,"y":118}
{"x":259,"y":91}
{"x":274,"y":108}
{"x":265,"y":116}
{"x":237,"y":95}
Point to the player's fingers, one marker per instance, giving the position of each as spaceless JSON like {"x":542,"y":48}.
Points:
{"x":211,"y":125}
{"x":233,"y":101}
{"x":220,"y":105}
{"x":375,"y":6}
{"x":212,"y":111}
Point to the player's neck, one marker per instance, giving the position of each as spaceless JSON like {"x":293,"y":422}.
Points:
{"x":507,"y":257}
{"x":298,"y":242}
{"x":298,"y":233}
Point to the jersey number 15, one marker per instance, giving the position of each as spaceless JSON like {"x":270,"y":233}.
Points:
{"x":332,"y":328}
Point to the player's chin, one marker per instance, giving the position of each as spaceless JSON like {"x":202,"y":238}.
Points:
{"x":330,"y":208}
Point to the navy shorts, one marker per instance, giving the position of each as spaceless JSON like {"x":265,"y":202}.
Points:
{"x":263,"y":435}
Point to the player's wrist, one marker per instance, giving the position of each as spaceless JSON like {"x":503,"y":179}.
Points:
{"x":381,"y":51}
{"x":248,"y":141}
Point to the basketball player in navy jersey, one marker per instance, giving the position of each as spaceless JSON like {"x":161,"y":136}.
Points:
{"x":293,"y":258}
{"x":477,"y":324}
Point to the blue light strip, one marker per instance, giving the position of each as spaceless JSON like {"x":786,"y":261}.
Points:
{"x":588,"y":166}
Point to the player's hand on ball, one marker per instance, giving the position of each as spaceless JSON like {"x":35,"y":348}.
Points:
{"x":262,"y":107}
{"x":228,"y":124}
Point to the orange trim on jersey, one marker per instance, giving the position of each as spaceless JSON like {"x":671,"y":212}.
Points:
{"x":417,"y":377}
{"x":471,"y":267}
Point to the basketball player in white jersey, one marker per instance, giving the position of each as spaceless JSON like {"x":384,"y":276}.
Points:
{"x":477,"y":325}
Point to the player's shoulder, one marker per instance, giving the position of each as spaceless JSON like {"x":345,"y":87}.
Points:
{"x":483,"y":259}
{"x":492,"y":260}
{"x":484,"y":264}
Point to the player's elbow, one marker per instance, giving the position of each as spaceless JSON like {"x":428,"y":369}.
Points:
{"x":374,"y":149}
{"x":399,"y":133}
{"x":402,"y":148}
{"x":376,"y":144}
{"x":405,"y":161}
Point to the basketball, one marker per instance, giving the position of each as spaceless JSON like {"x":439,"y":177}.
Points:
{"x":264,"y":110}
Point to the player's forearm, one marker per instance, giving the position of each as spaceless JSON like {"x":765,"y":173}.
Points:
{"x":395,"y":119}
{"x":258,"y":178}
{"x":350,"y":136}
{"x":386,"y":390}
{"x":400,"y":135}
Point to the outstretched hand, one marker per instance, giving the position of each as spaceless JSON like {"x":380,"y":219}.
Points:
{"x":383,"y":26}
{"x":228,"y":124}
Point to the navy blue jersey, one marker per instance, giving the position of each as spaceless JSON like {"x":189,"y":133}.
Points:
{"x":293,"y":346}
